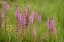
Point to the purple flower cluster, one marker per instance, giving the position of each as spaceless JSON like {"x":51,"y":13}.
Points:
{"x":51,"y":25}
{"x":21,"y":20}
{"x":24,"y":20}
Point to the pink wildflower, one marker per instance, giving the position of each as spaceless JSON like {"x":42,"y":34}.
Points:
{"x":18,"y":18}
{"x":51,"y":25}
{"x":6,"y":6}
{"x":31,"y":18}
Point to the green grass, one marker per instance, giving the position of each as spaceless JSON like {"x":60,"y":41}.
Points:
{"x":47,"y":9}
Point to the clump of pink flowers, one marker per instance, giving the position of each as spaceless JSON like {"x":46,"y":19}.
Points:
{"x":23,"y":21}
{"x":26,"y":19}
{"x":51,"y":25}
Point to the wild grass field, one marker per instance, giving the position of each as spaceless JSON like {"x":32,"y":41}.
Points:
{"x":42,"y":15}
